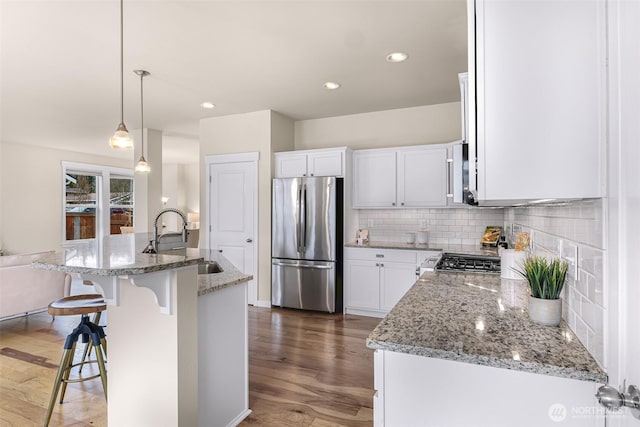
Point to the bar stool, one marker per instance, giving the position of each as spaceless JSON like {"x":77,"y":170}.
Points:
{"x":82,"y":305}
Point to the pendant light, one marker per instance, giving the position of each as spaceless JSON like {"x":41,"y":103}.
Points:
{"x":142,"y":166}
{"x":121,"y":139}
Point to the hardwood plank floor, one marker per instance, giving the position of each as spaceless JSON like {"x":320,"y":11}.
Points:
{"x":305,"y":369}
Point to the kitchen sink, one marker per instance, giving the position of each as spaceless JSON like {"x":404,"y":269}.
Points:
{"x":209,"y":267}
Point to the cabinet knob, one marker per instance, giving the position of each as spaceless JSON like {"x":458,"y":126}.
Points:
{"x":393,"y":204}
{"x":311,"y":174}
{"x":304,"y":174}
{"x":377,"y":264}
{"x":381,"y":265}
{"x":402,"y":204}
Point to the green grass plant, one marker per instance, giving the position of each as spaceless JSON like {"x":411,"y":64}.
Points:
{"x":546,"y":278}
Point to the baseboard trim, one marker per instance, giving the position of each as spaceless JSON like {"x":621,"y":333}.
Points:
{"x":262,"y":303}
{"x":237,"y":420}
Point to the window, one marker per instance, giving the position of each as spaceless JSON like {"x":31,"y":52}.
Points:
{"x":120,"y":203}
{"x":98,"y":200}
{"x":80,"y":206}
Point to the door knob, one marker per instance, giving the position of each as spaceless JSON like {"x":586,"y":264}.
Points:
{"x":249,"y":240}
{"x":611,"y":398}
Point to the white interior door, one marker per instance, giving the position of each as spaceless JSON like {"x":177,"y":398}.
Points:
{"x":623,"y":338}
{"x":233,"y":214}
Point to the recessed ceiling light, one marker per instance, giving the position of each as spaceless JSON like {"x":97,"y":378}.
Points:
{"x":208,"y":105}
{"x":397,"y":57}
{"x":331,"y":85}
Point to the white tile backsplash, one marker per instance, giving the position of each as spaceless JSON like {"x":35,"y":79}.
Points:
{"x":573,"y":231}
{"x":447,"y":226}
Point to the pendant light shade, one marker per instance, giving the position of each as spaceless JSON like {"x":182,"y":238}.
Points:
{"x":121,"y":139}
{"x":142,"y":166}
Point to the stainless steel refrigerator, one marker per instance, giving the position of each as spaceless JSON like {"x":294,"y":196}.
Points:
{"x":306,"y":239}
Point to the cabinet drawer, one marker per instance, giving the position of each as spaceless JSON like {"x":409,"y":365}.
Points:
{"x":372,"y":254}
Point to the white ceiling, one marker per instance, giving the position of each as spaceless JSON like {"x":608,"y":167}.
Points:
{"x":60,"y":64}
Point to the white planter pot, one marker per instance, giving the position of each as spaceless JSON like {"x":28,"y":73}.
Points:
{"x":546,"y":312}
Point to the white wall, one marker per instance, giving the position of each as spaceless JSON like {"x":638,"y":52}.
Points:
{"x":2,"y":204}
{"x":31,"y":194}
{"x":243,"y":133}
{"x":180,"y":183}
{"x":429,"y":124}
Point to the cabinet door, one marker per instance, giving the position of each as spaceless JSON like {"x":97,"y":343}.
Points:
{"x":362,"y":283}
{"x":422,"y":177}
{"x":395,"y":280}
{"x":291,"y":165}
{"x":374,"y":179}
{"x":325,"y":164}
{"x":540,"y":99}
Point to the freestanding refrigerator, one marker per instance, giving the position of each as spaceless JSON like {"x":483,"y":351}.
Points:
{"x":306,"y":236}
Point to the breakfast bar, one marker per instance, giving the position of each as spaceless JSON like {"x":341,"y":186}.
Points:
{"x":161,"y":329}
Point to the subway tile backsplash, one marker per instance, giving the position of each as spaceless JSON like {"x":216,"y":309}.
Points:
{"x":573,"y":231}
{"x":449,"y":226}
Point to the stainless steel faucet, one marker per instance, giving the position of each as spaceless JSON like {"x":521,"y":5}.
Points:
{"x":154,"y":244}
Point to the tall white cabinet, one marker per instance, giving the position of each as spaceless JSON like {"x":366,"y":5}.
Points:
{"x":537,"y":75}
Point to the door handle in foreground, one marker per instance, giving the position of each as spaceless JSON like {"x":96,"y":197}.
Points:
{"x":611,"y":398}
{"x":249,"y":240}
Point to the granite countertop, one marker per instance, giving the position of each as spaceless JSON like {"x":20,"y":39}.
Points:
{"x":443,"y":247}
{"x":229,"y":276}
{"x":481,"y":319}
{"x":121,"y":255}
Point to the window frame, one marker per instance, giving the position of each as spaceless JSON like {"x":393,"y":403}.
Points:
{"x":103,"y":189}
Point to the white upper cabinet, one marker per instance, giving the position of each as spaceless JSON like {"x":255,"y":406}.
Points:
{"x":290,"y":165}
{"x":405,"y":177}
{"x":325,"y":162}
{"x":374,"y":178}
{"x":537,"y":75}
{"x":422,"y":177}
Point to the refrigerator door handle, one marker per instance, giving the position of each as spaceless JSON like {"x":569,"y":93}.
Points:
{"x":304,"y":218}
{"x":317,"y":267}
{"x":299,"y":212}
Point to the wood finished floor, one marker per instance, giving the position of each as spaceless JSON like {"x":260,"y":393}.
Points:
{"x":305,"y":369}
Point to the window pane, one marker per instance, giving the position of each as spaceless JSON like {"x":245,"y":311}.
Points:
{"x":80,"y":206}
{"x":121,"y":204}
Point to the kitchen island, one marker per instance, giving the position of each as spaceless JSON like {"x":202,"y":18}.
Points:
{"x":166,"y":331}
{"x":459,"y":349}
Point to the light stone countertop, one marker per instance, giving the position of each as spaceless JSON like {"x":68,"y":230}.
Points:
{"x":443,"y":247}
{"x":481,"y":319}
{"x":121,"y":255}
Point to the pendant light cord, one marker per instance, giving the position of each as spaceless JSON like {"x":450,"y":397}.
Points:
{"x":142,"y":111}
{"x":121,"y":61}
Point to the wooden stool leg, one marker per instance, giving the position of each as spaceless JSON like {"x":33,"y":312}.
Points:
{"x":64,"y":362}
{"x":67,"y":372}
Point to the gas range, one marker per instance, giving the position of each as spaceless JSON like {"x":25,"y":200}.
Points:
{"x":453,"y":262}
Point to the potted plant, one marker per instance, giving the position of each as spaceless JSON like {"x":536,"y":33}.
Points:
{"x":546,"y":280}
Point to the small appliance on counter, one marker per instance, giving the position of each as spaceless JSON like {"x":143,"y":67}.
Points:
{"x":491,"y":236}
{"x":362,"y":237}
{"x":423,"y":237}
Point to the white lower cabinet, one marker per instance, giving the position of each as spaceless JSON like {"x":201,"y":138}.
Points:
{"x":394,"y":277}
{"x":414,"y":390}
{"x":376,"y":279}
